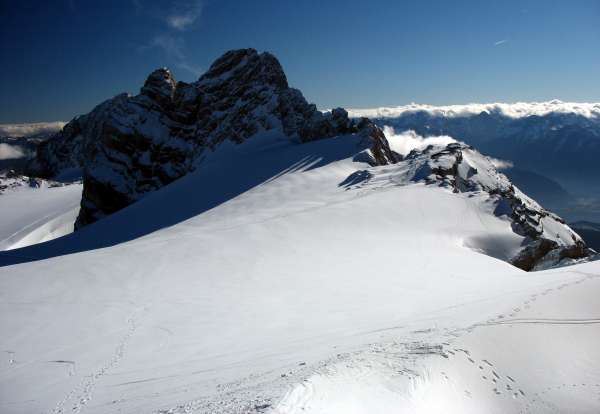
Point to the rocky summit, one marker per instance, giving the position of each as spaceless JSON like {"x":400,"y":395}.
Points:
{"x":131,"y":145}
{"x":547,"y":239}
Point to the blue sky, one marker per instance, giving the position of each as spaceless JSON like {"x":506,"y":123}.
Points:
{"x":61,"y":58}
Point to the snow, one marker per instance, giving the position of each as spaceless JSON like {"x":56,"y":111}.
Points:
{"x":9,"y":152}
{"x":511,"y":110}
{"x":34,"y":215}
{"x":262,"y":283}
{"x":538,"y":356}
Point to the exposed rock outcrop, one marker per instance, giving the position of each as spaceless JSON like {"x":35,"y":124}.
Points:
{"x":548,"y":239}
{"x":131,"y":145}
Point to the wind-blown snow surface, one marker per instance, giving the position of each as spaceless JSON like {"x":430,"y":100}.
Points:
{"x":289,"y":291}
{"x":34,"y":215}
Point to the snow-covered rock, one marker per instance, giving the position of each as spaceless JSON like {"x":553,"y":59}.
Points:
{"x":547,"y":239}
{"x":132,"y":145}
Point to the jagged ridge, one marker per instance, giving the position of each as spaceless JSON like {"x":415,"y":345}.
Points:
{"x":548,"y":240}
{"x":132,"y":145}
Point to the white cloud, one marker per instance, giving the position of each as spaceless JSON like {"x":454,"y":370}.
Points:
{"x":406,"y":141}
{"x":8,"y":152}
{"x":174,"y":49}
{"x":184,"y":14}
{"x":178,"y":16}
{"x":512,"y":110}
{"x":28,"y":130}
{"x":500,"y":42}
{"x":403,"y":143}
{"x":501,"y":164}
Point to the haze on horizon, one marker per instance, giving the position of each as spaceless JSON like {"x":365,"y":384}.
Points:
{"x":63,"y":57}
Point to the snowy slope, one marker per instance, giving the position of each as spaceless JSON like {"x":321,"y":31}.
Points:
{"x":269,"y":284}
{"x":33,"y":215}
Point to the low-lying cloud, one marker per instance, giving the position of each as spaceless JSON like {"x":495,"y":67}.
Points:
{"x":501,"y":164}
{"x":406,"y":141}
{"x":10,"y":152}
{"x":30,"y":130}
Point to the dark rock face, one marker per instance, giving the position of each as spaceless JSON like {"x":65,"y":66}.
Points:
{"x":69,"y":148}
{"x":548,"y":240}
{"x":131,"y":145}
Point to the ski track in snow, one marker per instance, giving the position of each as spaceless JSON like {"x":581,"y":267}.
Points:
{"x":501,"y":383}
{"x":402,"y":358}
{"x":76,"y":400}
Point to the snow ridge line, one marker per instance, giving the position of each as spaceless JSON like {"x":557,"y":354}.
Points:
{"x":548,"y":321}
{"x":82,"y":393}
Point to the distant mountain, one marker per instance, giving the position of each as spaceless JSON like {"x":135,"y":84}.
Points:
{"x":590,"y":232}
{"x":18,"y":143}
{"x":543,"y":189}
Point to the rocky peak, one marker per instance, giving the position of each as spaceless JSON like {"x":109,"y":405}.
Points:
{"x":160,"y":86}
{"x":131,"y":145}
{"x":244,"y":66}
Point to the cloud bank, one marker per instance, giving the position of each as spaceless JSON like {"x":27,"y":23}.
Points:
{"x":501,"y":164}
{"x":9,"y":152}
{"x":512,"y":110}
{"x":30,"y":130}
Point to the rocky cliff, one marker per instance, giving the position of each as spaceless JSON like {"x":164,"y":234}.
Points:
{"x":131,"y":145}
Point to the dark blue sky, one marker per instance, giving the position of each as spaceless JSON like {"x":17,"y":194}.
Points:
{"x":61,"y":58}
